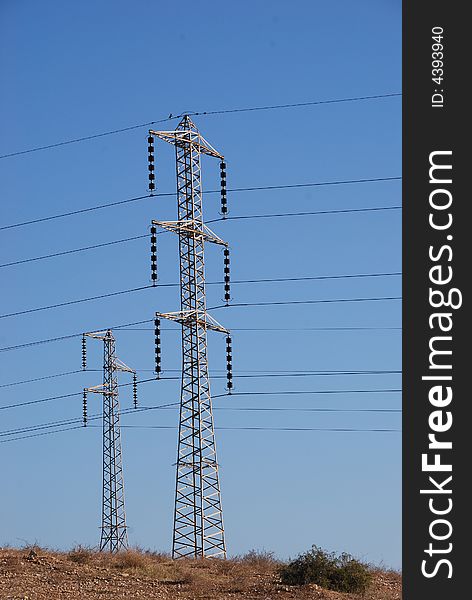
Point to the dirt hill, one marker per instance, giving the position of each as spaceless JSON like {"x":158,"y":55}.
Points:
{"x":36,"y":574}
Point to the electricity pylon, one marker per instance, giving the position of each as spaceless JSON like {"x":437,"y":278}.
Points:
{"x":114,"y":536}
{"x":198,"y":518}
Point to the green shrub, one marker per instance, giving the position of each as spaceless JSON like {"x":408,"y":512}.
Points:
{"x":339,"y":573}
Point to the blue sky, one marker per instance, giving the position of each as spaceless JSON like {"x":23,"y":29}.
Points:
{"x":76,"y":69}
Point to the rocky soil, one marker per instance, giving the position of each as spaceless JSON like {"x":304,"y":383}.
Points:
{"x":36,"y":574}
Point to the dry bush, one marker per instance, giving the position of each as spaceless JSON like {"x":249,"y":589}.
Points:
{"x":80,"y":555}
{"x":263,"y":561}
{"x":148,"y":564}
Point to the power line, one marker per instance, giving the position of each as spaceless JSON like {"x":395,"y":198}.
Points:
{"x":54,"y":424}
{"x":239,"y":375}
{"x":74,"y":251}
{"x":15,"y":383}
{"x":173,"y":405}
{"x":82,"y":139}
{"x":138,"y":237}
{"x":67,"y":337}
{"x":40,"y":434}
{"x":367,"y":328}
{"x":286,"y":302}
{"x":295,"y":105}
{"x":333,"y":429}
{"x":310,"y":213}
{"x":320,"y":429}
{"x":290,"y":392}
{"x":93,"y":417}
{"x":79,"y":301}
{"x":248,"y":189}
{"x":62,"y":396}
{"x":202,"y":113}
{"x":125,"y":328}
{"x":78,"y":212}
{"x":310,"y":392}
{"x":237,"y":304}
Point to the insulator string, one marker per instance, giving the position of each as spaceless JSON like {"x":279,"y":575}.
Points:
{"x":84,"y":413}
{"x":226,"y":275}
{"x":135,"y":390}
{"x":153,"y":255}
{"x":224,"y":204}
{"x":157,"y":350}
{"x":151,"y":175}
{"x":229,"y":364}
{"x":84,"y":352}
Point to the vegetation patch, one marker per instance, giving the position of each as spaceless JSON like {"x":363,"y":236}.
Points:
{"x":341,"y":573}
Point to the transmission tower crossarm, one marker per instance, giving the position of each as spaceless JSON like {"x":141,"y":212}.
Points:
{"x":188,"y":227}
{"x":187,"y":137}
{"x":187,"y":317}
{"x":101,"y":389}
{"x":98,"y":335}
{"x":120,"y":366}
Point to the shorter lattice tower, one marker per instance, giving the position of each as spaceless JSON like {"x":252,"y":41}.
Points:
{"x":114,"y":536}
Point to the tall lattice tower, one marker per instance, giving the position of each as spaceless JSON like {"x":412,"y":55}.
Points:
{"x":198,"y":517}
{"x":114,"y":536}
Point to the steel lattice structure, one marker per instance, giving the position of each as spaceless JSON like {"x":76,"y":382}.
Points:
{"x":198,"y":518}
{"x":114,"y":536}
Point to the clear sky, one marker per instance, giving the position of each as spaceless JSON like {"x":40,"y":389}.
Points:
{"x":72,"y":69}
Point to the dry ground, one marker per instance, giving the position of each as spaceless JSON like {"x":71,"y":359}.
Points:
{"x":86,"y":575}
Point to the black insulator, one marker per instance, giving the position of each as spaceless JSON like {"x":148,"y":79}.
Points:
{"x":153,"y":230}
{"x":151,"y":147}
{"x":150,"y":140}
{"x":85,"y":409}
{"x":152,"y":177}
{"x":153,"y":257}
{"x":151,"y":158}
{"x":157,"y":349}
{"x":84,"y":353}
{"x":150,"y":167}
{"x":226,"y":261}
{"x":135,"y":390}
{"x":224,"y":209}
{"x":226,"y":278}
{"x":226,"y":252}
{"x":227,"y":297}
{"x":152,"y":186}
{"x":226,"y":270}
